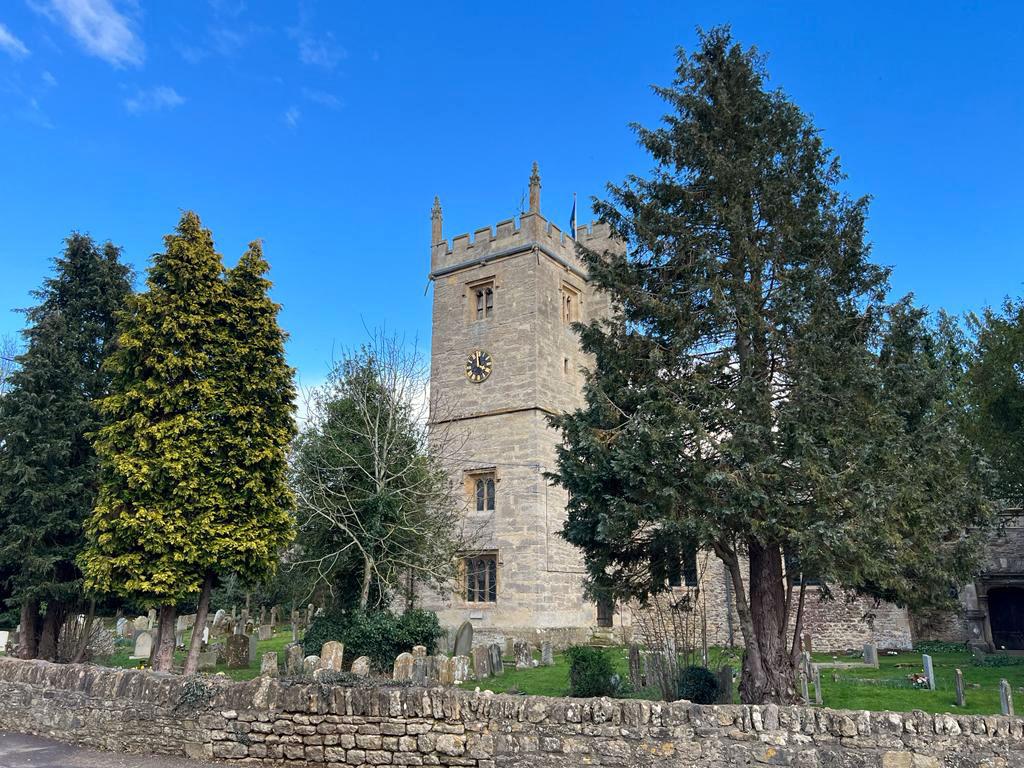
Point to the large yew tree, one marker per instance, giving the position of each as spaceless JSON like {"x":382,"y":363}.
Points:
{"x":752,"y":394}
{"x":48,"y":471}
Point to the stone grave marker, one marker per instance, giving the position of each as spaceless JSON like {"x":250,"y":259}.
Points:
{"x":871,"y":655}
{"x":496,"y":665}
{"x":481,"y":662}
{"x":310,"y":664}
{"x":804,"y":693}
{"x":817,"y":685}
{"x":440,"y":661}
{"x":268,"y":664}
{"x":266,"y":632}
{"x":523,"y":655}
{"x":958,"y":680}
{"x":402,"y":669}
{"x":463,"y":639}
{"x":547,"y":654}
{"x":207,"y":661}
{"x":419,"y":670}
{"x":929,"y":671}
{"x":510,"y":647}
{"x":724,"y":685}
{"x":331,"y":655}
{"x":460,"y":669}
{"x":143,"y":646}
{"x":141,"y":624}
{"x":806,"y":644}
{"x":236,"y":653}
{"x":419,"y":651}
{"x":151,"y":619}
{"x":218,"y":619}
{"x":293,"y":660}
{"x":361,"y":666}
{"x":252,"y":649}
{"x":122,"y":627}
{"x":446,"y":672}
{"x":206,"y":635}
{"x":263,"y":615}
{"x":273,"y":617}
{"x":1005,"y":698}
{"x":635,"y":668}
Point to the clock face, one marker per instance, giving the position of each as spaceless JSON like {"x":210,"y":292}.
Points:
{"x":478,"y":366}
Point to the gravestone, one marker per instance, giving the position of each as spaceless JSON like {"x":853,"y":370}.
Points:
{"x":446,"y":672}
{"x":419,"y":670}
{"x":206,"y":635}
{"x":122,"y":627}
{"x":236,"y":652}
{"x":266,"y":632}
{"x":817,"y":686}
{"x":309,"y":614}
{"x":273,"y":617}
{"x":361,"y":666}
{"x":331,"y":655}
{"x":440,"y":661}
{"x":510,"y":647}
{"x":806,"y":643}
{"x":141,"y":624}
{"x":293,"y":660}
{"x":547,"y":654}
{"x":268,"y":664}
{"x":523,"y":654}
{"x":958,"y":680}
{"x":494,"y":651}
{"x":481,"y":662}
{"x":207,"y":661}
{"x":263,"y":615}
{"x":463,"y":639}
{"x":460,"y":669}
{"x":1005,"y":698}
{"x":310,"y":664}
{"x":929,"y":671}
{"x":143,"y":646}
{"x":218,"y":619}
{"x":724,"y":685}
{"x":402,"y":670}
{"x":635,"y":669}
{"x":252,"y":649}
{"x":151,"y":619}
{"x":871,"y":655}
{"x":419,"y":651}
{"x":804,"y":693}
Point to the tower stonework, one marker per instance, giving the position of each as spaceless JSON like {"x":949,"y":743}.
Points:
{"x":512,"y":293}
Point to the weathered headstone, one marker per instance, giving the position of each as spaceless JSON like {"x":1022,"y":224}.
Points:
{"x":1005,"y":698}
{"x":218,"y":619}
{"x":547,"y":654}
{"x":817,"y":685}
{"x":446,"y":672}
{"x":494,"y":652}
{"x":122,"y":627}
{"x":460,"y":669}
{"x":440,"y":661}
{"x":805,"y":643}
{"x":268,"y":664}
{"x":510,"y":647}
{"x":958,"y":681}
{"x":236,"y":652}
{"x":141,"y":624}
{"x":252,"y":649}
{"x":929,"y":671}
{"x":463,"y":639}
{"x":419,"y":651}
{"x":724,"y":685}
{"x":151,"y":619}
{"x":266,"y":632}
{"x":143,"y":646}
{"x":310,"y":664}
{"x":207,"y":661}
{"x":293,"y":660}
{"x":419,"y":670}
{"x":361,"y":666}
{"x":263,"y":615}
{"x":402,"y":669}
{"x":871,"y":655}
{"x":206,"y":635}
{"x":273,"y":617}
{"x":635,"y":668}
{"x":332,"y":654}
{"x":804,"y":693}
{"x":523,"y":654}
{"x":481,"y":662}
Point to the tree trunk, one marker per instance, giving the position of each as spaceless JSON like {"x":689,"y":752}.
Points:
{"x":163,"y":656}
{"x":192,"y":660}
{"x":83,"y":641}
{"x":28,"y":637}
{"x":798,"y":627}
{"x":768,"y":675}
{"x":364,"y":592}
{"x":53,"y":619}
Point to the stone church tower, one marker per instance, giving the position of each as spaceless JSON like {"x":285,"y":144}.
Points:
{"x":503,"y":359}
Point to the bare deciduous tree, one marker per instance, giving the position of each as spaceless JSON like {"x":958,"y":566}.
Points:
{"x":8,"y":362}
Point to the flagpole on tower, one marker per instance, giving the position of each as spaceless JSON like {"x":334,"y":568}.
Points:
{"x":572,"y":220}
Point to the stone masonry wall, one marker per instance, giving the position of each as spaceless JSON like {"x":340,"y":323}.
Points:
{"x":273,"y":723}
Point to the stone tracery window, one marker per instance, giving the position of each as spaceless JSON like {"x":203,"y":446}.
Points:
{"x":482,"y":300}
{"x":481,"y":578}
{"x":484,"y":492}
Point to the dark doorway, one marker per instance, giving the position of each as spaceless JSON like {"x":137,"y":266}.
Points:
{"x":1006,"y":617}
{"x":605,"y":608}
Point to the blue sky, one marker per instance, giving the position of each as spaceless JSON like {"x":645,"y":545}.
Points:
{"x":327,"y":128}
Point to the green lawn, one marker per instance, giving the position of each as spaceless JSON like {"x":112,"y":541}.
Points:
{"x":885,"y":688}
{"x":276,"y":643}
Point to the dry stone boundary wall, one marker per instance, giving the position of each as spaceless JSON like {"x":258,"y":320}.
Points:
{"x":271,"y":722}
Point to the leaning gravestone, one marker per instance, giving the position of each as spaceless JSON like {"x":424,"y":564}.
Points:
{"x":266,"y":632}
{"x":143,"y":646}
{"x":218,"y":619}
{"x":547,"y":654}
{"x":331,"y":655}
{"x":494,"y":652}
{"x":361,"y":666}
{"x":237,"y":652}
{"x":293,"y":660}
{"x":958,"y":680}
{"x":929,"y":670}
{"x":481,"y":662}
{"x":402,"y":670}
{"x":1005,"y":698}
{"x":523,"y":655}
{"x":268,"y":664}
{"x":310,"y":664}
{"x":463,"y":640}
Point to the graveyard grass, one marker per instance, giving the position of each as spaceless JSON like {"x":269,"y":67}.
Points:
{"x":885,"y":688}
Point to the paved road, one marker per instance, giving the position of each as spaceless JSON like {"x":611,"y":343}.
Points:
{"x":17,"y":751}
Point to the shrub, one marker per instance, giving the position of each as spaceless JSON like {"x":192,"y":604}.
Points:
{"x":938,"y":646}
{"x":699,"y":685}
{"x":380,"y":635}
{"x":590,"y":672}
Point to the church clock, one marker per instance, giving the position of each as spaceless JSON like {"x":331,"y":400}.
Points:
{"x":478,"y":366}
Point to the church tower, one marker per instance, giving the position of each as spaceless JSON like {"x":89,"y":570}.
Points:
{"x":504,"y":358}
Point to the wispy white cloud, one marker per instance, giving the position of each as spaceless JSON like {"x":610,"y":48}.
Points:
{"x":11,"y":44}
{"x":49,"y":79}
{"x":154,"y":99}
{"x":100,"y":28}
{"x":322,"y":98}
{"x":316,"y":49}
{"x":292,"y":116}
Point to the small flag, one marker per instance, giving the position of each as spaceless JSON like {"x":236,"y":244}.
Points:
{"x":572,"y":218}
